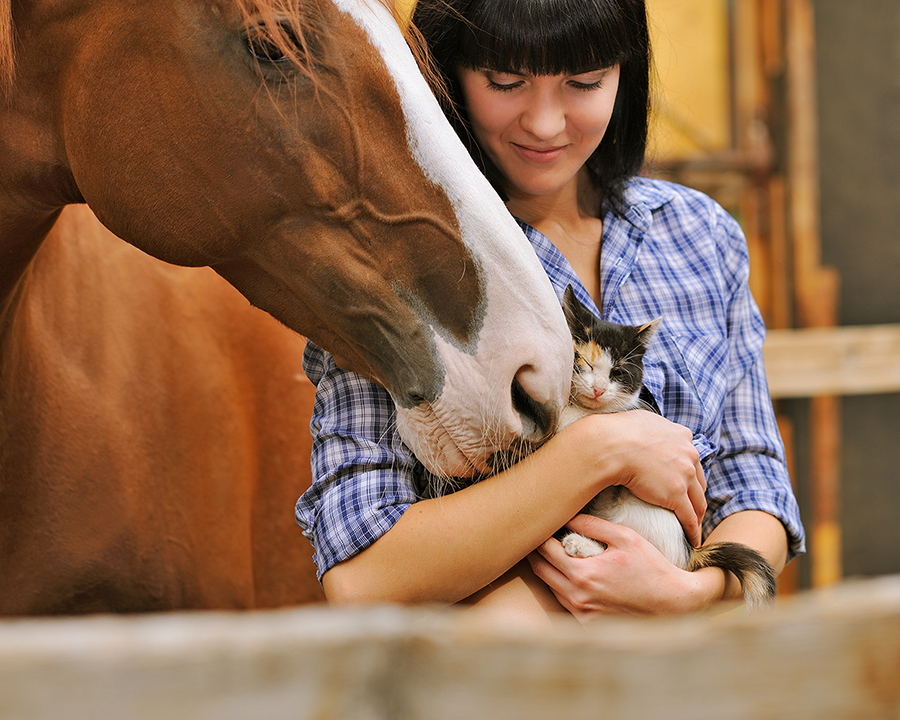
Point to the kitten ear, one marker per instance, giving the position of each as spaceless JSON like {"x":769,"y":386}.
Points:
{"x":645,"y":331}
{"x":572,"y":308}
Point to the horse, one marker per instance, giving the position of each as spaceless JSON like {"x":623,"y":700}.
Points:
{"x":188,"y":189}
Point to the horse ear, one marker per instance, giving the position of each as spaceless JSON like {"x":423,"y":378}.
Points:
{"x":645,"y":331}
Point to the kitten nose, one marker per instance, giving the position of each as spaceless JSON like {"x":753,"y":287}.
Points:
{"x":598,"y":392}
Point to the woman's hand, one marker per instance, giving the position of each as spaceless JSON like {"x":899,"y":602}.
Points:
{"x":630,"y":577}
{"x":656,"y":461}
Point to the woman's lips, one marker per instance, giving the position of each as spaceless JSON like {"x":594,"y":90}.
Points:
{"x":539,"y":155}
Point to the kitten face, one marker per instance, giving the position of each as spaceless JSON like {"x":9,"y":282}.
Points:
{"x":601,"y":381}
{"x":609,"y":357}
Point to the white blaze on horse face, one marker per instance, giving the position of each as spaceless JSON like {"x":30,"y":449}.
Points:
{"x":524,"y":336}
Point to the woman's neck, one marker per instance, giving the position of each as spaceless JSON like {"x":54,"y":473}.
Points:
{"x":569,"y":218}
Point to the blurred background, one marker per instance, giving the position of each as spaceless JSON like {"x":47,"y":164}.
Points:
{"x":788,"y":113}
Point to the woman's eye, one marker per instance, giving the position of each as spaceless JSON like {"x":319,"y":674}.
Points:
{"x":502,"y":87}
{"x":588,"y":81}
{"x":586,"y":86}
{"x":502,"y":83}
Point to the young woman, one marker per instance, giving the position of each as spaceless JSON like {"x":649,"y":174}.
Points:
{"x":552,"y":98}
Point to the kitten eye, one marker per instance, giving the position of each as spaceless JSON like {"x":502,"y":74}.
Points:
{"x":579,"y":358}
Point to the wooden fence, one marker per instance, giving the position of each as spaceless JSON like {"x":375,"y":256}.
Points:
{"x":828,"y":654}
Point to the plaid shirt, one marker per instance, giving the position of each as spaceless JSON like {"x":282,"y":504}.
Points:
{"x":675,"y":254}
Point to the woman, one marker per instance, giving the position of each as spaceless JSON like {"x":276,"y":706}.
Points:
{"x":552,"y":98}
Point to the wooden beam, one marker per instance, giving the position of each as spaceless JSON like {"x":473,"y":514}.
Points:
{"x":828,"y":655}
{"x":853,"y":360}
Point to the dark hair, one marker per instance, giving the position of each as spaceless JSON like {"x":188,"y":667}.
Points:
{"x":550,"y":37}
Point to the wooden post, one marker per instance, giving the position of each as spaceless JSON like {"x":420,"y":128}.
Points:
{"x":816,"y":287}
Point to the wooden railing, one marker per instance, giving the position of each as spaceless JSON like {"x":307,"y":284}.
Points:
{"x":826,"y":655}
{"x":833,"y":361}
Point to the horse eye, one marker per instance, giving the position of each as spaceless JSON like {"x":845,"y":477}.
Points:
{"x":264,"y":47}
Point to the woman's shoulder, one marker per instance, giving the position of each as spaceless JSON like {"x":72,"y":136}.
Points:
{"x":669,"y":206}
{"x":654,"y":194}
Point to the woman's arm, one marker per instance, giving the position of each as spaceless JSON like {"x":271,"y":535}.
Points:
{"x":445,"y":549}
{"x":758,"y":530}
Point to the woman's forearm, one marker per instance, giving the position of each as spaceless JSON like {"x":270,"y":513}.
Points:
{"x":445,"y":549}
{"x":758,"y":530}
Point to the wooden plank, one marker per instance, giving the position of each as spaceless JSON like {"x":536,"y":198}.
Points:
{"x":850,"y":360}
{"x":821,"y":656}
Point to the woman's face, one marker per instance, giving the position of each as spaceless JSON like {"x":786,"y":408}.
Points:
{"x":539,"y":129}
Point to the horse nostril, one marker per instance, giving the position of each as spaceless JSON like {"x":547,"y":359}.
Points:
{"x":538,"y":419}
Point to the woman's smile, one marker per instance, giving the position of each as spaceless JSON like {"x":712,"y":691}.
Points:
{"x":538,"y":154}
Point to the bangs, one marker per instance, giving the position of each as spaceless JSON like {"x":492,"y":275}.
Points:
{"x":547,"y":37}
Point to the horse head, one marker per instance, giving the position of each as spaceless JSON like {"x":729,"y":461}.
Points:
{"x":295,"y":148}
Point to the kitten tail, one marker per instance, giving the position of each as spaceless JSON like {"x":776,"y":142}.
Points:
{"x":756,"y":576}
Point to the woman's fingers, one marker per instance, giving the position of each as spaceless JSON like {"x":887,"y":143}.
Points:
{"x":604,"y":531}
{"x":667,"y":472}
{"x":691,"y":510}
{"x":616,"y":581}
{"x":546,"y":569}
{"x":697,"y":495}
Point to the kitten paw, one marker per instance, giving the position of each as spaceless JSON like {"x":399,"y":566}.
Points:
{"x":579,"y":546}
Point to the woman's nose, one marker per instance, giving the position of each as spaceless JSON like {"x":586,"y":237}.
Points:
{"x":545,"y":117}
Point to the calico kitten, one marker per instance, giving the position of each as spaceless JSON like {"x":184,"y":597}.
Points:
{"x":608,"y":377}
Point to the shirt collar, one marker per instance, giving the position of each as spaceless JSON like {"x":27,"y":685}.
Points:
{"x":642,"y":197}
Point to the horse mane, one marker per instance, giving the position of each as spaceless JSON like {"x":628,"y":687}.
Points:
{"x":7,"y":55}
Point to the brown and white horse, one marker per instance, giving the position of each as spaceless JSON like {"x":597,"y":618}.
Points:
{"x":153,"y":430}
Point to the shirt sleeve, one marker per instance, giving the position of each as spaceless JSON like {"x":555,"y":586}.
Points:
{"x":749,"y":471}
{"x":363,"y":475}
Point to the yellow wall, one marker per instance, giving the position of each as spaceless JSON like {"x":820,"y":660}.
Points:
{"x":690,"y":45}
{"x":406,"y":7}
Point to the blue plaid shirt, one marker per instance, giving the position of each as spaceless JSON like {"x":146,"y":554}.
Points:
{"x":675,"y":254}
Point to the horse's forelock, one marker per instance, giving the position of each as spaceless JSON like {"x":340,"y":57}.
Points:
{"x":7,"y":55}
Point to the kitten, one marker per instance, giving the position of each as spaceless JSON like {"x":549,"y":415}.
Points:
{"x":608,"y":377}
